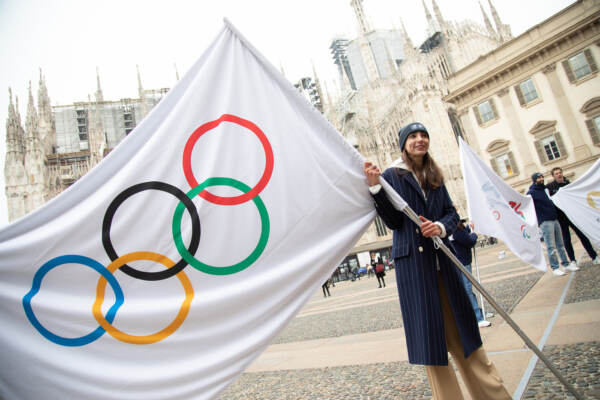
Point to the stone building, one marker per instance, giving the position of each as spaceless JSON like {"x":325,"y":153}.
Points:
{"x":534,"y":103}
{"x":411,"y":89}
{"x":60,"y":144}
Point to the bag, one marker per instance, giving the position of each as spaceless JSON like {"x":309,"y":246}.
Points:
{"x":379,"y":268}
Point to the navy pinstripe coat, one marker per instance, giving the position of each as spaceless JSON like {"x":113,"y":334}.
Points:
{"x":416,"y":271}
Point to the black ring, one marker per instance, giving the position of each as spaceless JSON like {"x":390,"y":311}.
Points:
{"x":125,"y":194}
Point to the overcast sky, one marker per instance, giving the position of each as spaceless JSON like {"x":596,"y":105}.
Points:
{"x":68,"y":39}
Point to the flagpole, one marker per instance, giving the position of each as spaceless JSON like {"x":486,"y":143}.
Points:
{"x":479,"y":280}
{"x":437,"y":241}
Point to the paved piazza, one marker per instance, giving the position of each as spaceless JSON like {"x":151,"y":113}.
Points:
{"x":351,"y":345}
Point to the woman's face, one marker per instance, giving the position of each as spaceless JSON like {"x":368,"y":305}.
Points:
{"x":417,"y":144}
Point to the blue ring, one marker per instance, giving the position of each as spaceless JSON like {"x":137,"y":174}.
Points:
{"x":37,"y":282}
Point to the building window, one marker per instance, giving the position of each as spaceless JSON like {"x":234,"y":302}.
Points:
{"x":591,"y":109}
{"x":526,"y":92}
{"x":502,"y":160}
{"x":505,"y":165}
{"x":380,"y":227}
{"x":580,"y":66}
{"x":593,"y":126}
{"x":550,"y":148}
{"x":485,"y":112}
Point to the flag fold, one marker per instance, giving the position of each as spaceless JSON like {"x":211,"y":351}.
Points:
{"x":167,"y":269}
{"x":497,"y":210}
{"x":580,"y":201}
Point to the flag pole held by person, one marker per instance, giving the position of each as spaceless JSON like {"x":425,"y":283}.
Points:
{"x":400,"y":204}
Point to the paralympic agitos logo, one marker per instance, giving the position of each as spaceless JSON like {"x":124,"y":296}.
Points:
{"x":188,"y":255}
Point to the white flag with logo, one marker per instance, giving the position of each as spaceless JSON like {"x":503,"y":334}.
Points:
{"x":498,"y":210}
{"x":167,"y":269}
{"x":580,"y":200}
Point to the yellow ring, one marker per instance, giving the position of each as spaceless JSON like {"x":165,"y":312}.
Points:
{"x":591,"y":201}
{"x":155,"y":337}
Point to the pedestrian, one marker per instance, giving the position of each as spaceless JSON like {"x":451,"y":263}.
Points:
{"x":564,"y":222}
{"x":325,"y":288}
{"x":380,"y":272}
{"x":437,"y":314}
{"x":355,"y":272}
{"x":369,"y":270}
{"x":463,"y":241}
{"x":548,"y":221}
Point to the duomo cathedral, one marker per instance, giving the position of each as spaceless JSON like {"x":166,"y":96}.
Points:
{"x":385,"y":82}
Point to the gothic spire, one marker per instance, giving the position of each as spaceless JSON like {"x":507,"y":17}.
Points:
{"x":44,"y":107}
{"x":503,"y":30}
{"x":408,"y":46}
{"x":438,"y":14}
{"x":176,"y":72}
{"x":141,"y":92}
{"x":99,"y":95}
{"x":12,"y":115}
{"x":488,"y":24}
{"x":318,"y":87}
{"x":31,"y":119}
{"x":139,"y":78}
{"x":12,"y":130}
{"x":47,"y":124}
{"x":363,"y":25}
{"x":431,"y":25}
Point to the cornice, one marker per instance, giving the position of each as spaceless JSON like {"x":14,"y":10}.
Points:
{"x":583,"y":33}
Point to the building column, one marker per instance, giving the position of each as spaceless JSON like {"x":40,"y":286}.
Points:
{"x":471,"y":135}
{"x":518,"y":133}
{"x":580,"y":149}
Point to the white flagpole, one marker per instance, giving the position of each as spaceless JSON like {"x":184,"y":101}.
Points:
{"x":401,"y":205}
{"x":478,"y":280}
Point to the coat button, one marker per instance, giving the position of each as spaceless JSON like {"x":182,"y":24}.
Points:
{"x":417,"y":230}
{"x":420,"y":249}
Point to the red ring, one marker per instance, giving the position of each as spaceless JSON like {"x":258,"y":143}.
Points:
{"x":205,"y":194}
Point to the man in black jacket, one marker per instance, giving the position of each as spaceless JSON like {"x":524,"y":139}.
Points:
{"x":565,"y":223}
{"x":548,"y":222}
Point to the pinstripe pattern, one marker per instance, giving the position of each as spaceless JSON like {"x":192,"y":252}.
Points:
{"x":416,"y":272}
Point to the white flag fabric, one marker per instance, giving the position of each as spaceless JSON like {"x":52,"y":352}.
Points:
{"x":580,"y":201}
{"x":167,"y":269}
{"x":497,"y":210}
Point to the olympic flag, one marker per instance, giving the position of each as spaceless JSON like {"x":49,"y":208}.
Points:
{"x":167,"y":269}
{"x":498,"y":210}
{"x":580,"y":200}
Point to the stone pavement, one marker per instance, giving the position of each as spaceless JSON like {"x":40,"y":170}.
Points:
{"x":351,"y":345}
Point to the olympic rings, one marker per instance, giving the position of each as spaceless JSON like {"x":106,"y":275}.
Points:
{"x":187,"y":160}
{"x":172,"y":269}
{"x":158,"y":336}
{"x":37,"y":281}
{"x":130,"y":191}
{"x":590,"y":199}
{"x":232,"y":269}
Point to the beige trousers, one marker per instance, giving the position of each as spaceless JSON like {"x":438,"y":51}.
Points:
{"x":479,"y":374}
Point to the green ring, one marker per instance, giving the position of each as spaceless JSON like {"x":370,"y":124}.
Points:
{"x":231,"y":269}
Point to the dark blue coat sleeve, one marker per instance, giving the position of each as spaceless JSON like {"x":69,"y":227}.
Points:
{"x":465,"y":238}
{"x":391,"y":217}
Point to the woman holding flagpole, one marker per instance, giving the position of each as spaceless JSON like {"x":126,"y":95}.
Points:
{"x":437,"y":314}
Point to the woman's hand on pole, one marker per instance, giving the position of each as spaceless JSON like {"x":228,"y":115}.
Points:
{"x":372,"y":173}
{"x":429,"y":229}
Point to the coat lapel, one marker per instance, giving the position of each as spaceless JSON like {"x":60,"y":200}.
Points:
{"x":415,"y":185}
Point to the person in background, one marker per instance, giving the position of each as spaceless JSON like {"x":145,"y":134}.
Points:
{"x":548,"y":222}
{"x":463,"y":241}
{"x":380,"y":272}
{"x":564,"y":222}
{"x":325,"y":288}
{"x":437,"y":314}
